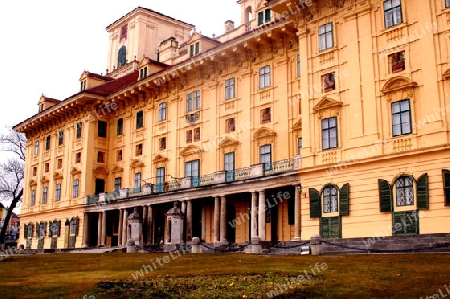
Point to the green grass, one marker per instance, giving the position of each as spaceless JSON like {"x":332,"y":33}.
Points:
{"x":222,"y":276}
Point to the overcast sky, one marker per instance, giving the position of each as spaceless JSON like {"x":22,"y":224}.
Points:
{"x":47,"y":44}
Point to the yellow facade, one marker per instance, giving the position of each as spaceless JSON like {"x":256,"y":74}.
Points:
{"x":327,"y":118}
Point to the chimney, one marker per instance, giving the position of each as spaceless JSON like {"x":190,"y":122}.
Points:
{"x":229,"y":25}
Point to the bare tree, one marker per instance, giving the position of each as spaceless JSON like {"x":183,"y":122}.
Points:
{"x":11,"y":175}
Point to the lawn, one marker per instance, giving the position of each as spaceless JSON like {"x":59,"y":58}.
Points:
{"x":119,"y":275}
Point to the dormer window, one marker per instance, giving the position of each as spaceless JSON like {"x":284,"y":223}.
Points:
{"x":143,"y":73}
{"x":194,"y":49}
{"x":41,"y":107}
{"x":83,"y":85}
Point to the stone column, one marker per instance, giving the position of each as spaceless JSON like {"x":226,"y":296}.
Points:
{"x":85,"y":230}
{"x":104,"y":228}
{"x":223,"y":219}
{"x":124,"y":227}
{"x":297,"y":216}
{"x":262,"y":215}
{"x":216,"y":219}
{"x":254,"y":215}
{"x":119,"y":241}
{"x":189,"y":221}
{"x":203,"y":234}
{"x":144,"y":223}
{"x":149,"y":225}
{"x":183,"y":210}
{"x":99,"y":229}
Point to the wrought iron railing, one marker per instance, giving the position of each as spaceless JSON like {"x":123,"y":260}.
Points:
{"x":92,"y":199}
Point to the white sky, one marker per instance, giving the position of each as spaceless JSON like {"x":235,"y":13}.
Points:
{"x":47,"y":44}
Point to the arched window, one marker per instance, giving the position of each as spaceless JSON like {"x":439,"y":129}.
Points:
{"x":122,"y":56}
{"x":248,"y":14}
{"x":330,"y":199}
{"x":404,"y":191}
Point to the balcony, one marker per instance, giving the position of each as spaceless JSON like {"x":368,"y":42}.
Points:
{"x":216,"y":178}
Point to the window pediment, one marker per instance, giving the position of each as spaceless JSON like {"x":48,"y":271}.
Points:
{"x":298,"y":125}
{"x":33,"y":183}
{"x":227,"y":141}
{"x":191,"y":150}
{"x":399,"y":85}
{"x":327,"y":103}
{"x":44,"y":179}
{"x":263,"y":133}
{"x":116,"y":169}
{"x":446,"y":75}
{"x":160,"y":158}
{"x":75,"y":171}
{"x":101,"y":169}
{"x":137,"y":163}
{"x":57,"y":176}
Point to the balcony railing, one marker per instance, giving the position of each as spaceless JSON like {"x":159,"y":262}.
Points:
{"x":220,"y":177}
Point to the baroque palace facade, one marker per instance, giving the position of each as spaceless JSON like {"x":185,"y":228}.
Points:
{"x":327,"y":117}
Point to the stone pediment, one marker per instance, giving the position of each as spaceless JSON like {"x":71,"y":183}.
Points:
{"x":446,"y":75}
{"x":398,"y":83}
{"x":297,"y":125}
{"x":159,"y":158}
{"x":57,"y":176}
{"x":75,"y":171}
{"x":144,"y":62}
{"x":191,"y":150}
{"x":101,"y":169}
{"x":136,"y":163}
{"x":326,"y":103}
{"x":264,"y":132}
{"x":44,"y":179}
{"x":227,"y":141}
{"x":116,"y":169}
{"x":33,"y":183}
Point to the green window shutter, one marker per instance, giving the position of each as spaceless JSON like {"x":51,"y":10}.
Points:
{"x":58,"y":234}
{"x":398,"y":227}
{"x":315,"y":209}
{"x":325,"y":227}
{"x":50,"y":229}
{"x":38,"y":228}
{"x":344,"y":200}
{"x":422,"y":192}
{"x":385,"y":196}
{"x":411,"y":219}
{"x":335,"y":227}
{"x":260,"y":18}
{"x":446,"y":181}
{"x":25,"y":231}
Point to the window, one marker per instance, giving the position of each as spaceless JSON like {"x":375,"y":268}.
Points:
{"x":160,"y":179}
{"x":79,"y":127}
{"x":47,"y":143}
{"x":446,"y":183}
{"x":326,"y":36}
{"x":36,"y":148}
{"x":83,"y":85}
{"x":122,"y":56}
{"x":78,"y":158}
{"x":401,"y":118}
{"x":298,"y":66}
{"x":329,"y":133}
{"x":264,"y":77}
{"x":265,"y":116}
{"x":300,"y":145}
{"x":61,"y":137}
{"x":197,"y":134}
{"x":194,"y":49}
{"x":229,"y":89}
{"x":392,"y":13}
{"x":137,"y":182}
{"x":397,"y":61}
{"x":44,"y":195}
{"x":117,"y":184}
{"x":76,"y":185}
{"x":405,"y":223}
{"x":230,"y":125}
{"x":119,"y":155}
{"x":192,"y":168}
{"x":34,"y":171}
{"x":140,"y":119}
{"x":143,"y":73}
{"x":189,"y":136}
{"x":119,"y":126}
{"x":193,"y":101}
{"x":447,"y":3}
{"x":264,"y":17}
{"x":404,"y":191}
{"x":58,"y":192}
{"x":47,"y":167}
{"x":229,"y":166}
{"x":59,"y":164}
{"x":139,"y":149}
{"x":33,"y":197}
{"x":123,"y":32}
{"x":101,"y":157}
{"x":162,"y":143}
{"x":330,"y":227}
{"x":330,"y":199}
{"x":162,"y":111}
{"x":265,"y":156}
{"x":328,"y":82}
{"x":101,"y":129}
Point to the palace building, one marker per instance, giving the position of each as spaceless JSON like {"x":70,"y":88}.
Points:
{"x":327,"y":117}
